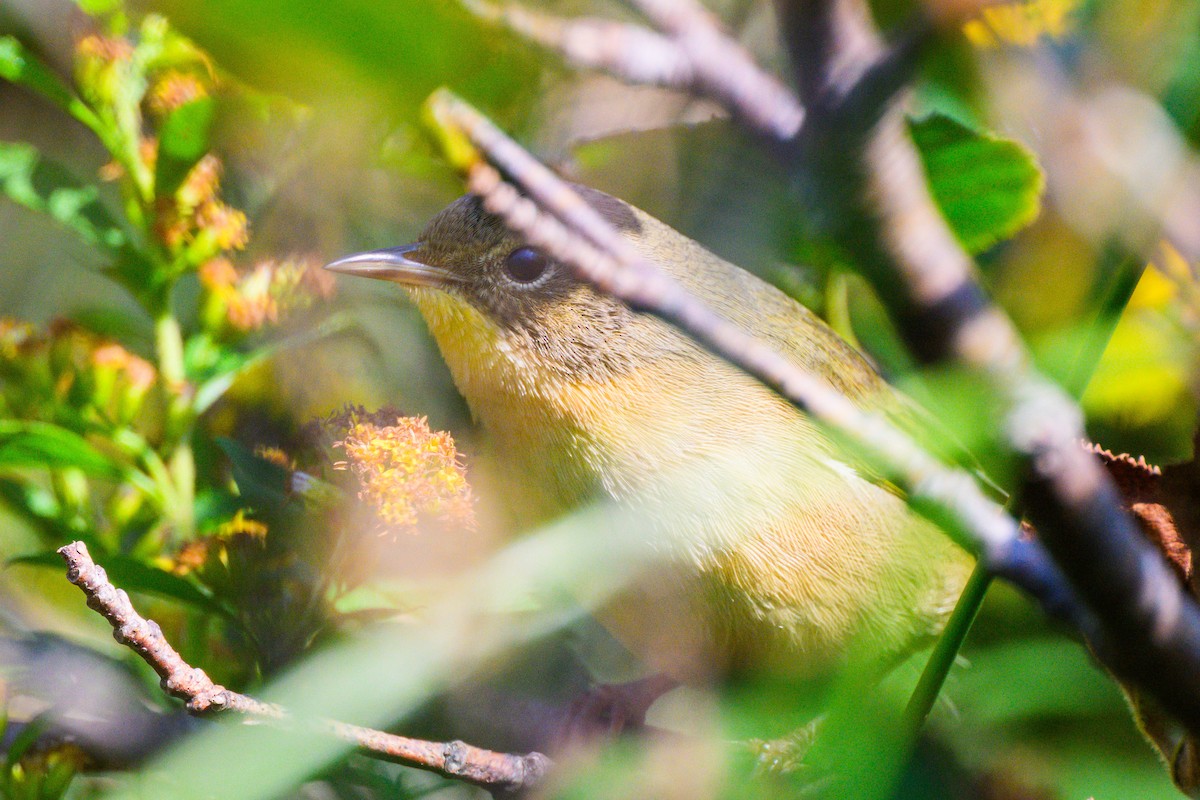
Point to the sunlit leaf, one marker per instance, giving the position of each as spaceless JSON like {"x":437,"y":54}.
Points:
{"x":98,"y":7}
{"x":988,"y":188}
{"x":398,"y":52}
{"x":39,"y":184}
{"x":25,"y":445}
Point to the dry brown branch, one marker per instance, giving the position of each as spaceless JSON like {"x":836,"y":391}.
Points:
{"x":497,"y":772}
{"x":1163,"y":501}
{"x":690,"y":52}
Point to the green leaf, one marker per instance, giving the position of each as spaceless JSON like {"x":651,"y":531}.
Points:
{"x":132,"y":575}
{"x":134,"y":330}
{"x":26,"y":444}
{"x":987,"y":187}
{"x":183,"y":140}
{"x":20,"y":66}
{"x":97,"y":8}
{"x":262,"y":484}
{"x":25,"y":739}
{"x":44,"y":186}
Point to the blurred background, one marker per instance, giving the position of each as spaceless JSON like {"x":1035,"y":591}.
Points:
{"x":173,"y":359}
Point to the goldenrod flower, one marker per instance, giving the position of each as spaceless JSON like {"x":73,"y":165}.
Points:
{"x":267,"y":292}
{"x":173,"y":89}
{"x":406,"y":471}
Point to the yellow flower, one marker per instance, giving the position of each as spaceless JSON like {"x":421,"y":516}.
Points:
{"x":240,"y":526}
{"x":405,"y":470}
{"x":1020,"y":23}
{"x":276,"y":456}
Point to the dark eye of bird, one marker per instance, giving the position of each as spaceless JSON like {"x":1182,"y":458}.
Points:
{"x":525,"y":265}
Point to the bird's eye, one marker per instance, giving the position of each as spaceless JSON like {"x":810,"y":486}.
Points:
{"x":526,"y":265}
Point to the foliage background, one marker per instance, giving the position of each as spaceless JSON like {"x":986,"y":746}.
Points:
{"x":330,"y":158}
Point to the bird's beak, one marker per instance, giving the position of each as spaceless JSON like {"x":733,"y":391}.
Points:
{"x":393,"y":264}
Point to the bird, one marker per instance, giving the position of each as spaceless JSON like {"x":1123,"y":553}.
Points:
{"x":781,"y":552}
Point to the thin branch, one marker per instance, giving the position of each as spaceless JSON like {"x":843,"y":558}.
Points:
{"x":630,"y":52}
{"x":498,"y":772}
{"x":928,"y":281}
{"x":690,"y":51}
{"x":556,"y":219}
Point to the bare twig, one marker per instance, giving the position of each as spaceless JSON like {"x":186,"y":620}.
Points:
{"x":555,"y":218}
{"x":928,"y":281}
{"x":497,"y":772}
{"x":691,"y":52}
{"x":631,"y":52}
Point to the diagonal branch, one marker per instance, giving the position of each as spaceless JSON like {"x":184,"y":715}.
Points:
{"x":498,"y":772}
{"x":900,"y":239}
{"x":690,"y":52}
{"x":555,"y":218}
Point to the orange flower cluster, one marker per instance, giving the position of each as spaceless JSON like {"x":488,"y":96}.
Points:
{"x":173,"y":89}
{"x":103,"y":49}
{"x":197,"y":220}
{"x":101,"y":65}
{"x":69,"y":366}
{"x":265,"y":294}
{"x":406,"y":471}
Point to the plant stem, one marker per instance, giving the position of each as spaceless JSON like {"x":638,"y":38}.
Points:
{"x":1124,"y":273}
{"x":837,"y":306}
{"x":180,"y":417}
{"x":920,"y":703}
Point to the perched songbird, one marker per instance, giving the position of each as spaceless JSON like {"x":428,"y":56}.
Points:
{"x":780,"y":549}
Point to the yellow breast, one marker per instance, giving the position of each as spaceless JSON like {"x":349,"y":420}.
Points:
{"x":778,"y":550}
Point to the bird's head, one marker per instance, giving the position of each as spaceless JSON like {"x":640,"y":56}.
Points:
{"x":495,"y":304}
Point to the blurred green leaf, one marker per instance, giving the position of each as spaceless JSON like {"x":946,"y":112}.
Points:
{"x":25,"y":739}
{"x":183,"y":140}
{"x":97,"y":7}
{"x":397,"y":52}
{"x":132,"y":575}
{"x":263,"y":484}
{"x":25,"y":445}
{"x":987,"y":187}
{"x":44,"y":186}
{"x":20,"y":66}
{"x":135,"y":331}
{"x":36,"y":504}
{"x":1033,"y":679}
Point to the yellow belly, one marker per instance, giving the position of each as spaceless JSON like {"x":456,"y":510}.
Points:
{"x":772,"y":550}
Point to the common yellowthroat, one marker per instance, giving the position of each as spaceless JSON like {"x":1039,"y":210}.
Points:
{"x":780,"y":551}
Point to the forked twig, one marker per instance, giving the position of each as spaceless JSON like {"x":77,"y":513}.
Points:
{"x":690,"y":52}
{"x":497,"y":772}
